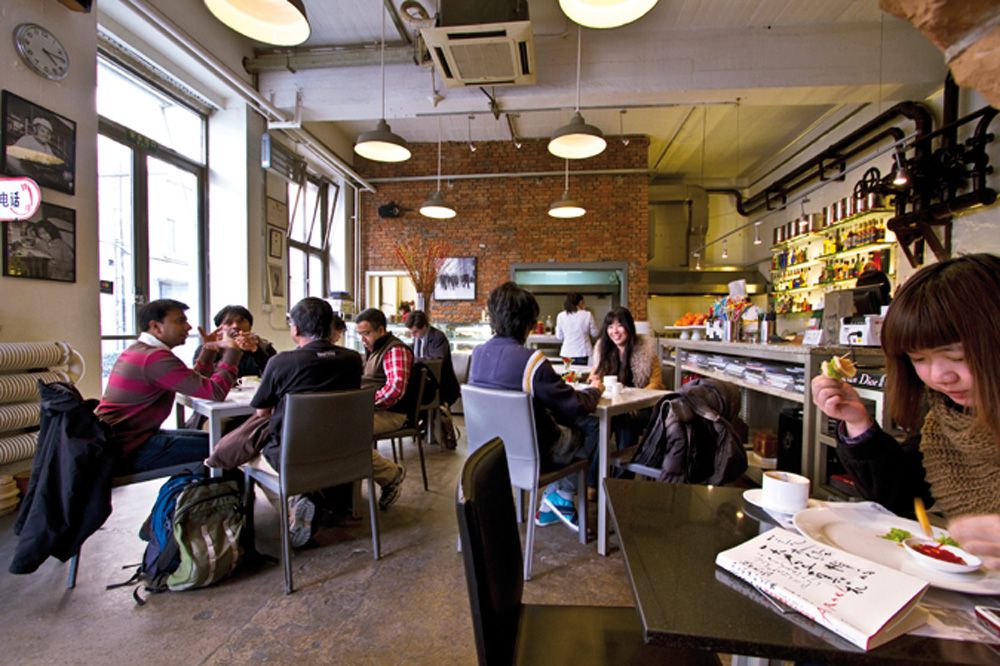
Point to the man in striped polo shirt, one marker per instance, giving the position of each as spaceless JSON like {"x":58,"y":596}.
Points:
{"x":146,"y":377}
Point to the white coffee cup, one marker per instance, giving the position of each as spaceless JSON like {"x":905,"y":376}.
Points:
{"x":611,"y":385}
{"x":784,"y":491}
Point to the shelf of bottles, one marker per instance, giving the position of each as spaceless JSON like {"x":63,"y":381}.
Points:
{"x":821,"y":252}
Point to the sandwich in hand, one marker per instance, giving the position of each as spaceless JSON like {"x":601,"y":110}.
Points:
{"x":839,"y":367}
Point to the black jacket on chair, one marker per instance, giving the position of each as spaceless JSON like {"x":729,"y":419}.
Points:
{"x":69,"y":496}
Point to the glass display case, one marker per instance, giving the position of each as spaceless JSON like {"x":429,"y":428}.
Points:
{"x":463,"y":337}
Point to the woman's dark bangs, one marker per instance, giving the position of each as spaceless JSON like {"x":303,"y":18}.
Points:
{"x":921,"y":320}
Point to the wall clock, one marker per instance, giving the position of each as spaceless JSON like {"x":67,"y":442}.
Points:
{"x":41,"y":51}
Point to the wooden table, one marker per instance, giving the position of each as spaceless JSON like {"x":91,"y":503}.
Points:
{"x":629,"y":400}
{"x":670,"y":535}
{"x":237,"y":403}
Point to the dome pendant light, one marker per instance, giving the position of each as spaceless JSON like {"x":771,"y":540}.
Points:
{"x":435,"y":205}
{"x":380,"y":144}
{"x":278,"y":22}
{"x":605,"y":13}
{"x":577,"y":140}
{"x":566,"y":207}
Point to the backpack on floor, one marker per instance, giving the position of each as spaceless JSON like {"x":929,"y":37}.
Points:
{"x":193,"y":535}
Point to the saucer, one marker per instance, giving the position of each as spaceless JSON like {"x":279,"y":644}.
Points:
{"x":755,"y":496}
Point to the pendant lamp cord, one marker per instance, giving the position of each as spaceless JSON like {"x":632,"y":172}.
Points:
{"x":566,"y":187}
{"x":579,"y":37}
{"x":439,"y":154}
{"x":381,"y":58}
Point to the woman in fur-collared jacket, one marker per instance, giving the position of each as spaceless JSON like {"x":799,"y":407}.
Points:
{"x":635,"y":360}
{"x":622,"y":352}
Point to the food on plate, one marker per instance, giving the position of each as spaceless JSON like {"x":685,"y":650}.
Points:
{"x":946,"y":540}
{"x":896,"y":534}
{"x":839,"y":367}
{"x":569,"y":377}
{"x":939,"y":553}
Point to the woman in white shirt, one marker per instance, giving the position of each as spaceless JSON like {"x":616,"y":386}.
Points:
{"x":575,"y":326}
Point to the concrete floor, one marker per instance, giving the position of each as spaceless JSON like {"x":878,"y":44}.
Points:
{"x":410,"y":607}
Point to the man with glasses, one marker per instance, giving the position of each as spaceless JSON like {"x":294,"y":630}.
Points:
{"x":388,"y":364}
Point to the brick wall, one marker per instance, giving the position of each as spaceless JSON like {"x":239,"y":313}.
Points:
{"x":505,"y":220}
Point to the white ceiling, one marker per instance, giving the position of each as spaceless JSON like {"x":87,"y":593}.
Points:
{"x":796,"y":67}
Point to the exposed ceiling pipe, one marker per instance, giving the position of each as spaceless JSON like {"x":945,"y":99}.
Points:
{"x":511,"y":174}
{"x":322,"y":57}
{"x":244,"y":90}
{"x":833,"y":159}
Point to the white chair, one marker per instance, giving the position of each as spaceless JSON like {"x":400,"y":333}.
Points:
{"x":491,"y":413}
{"x":460,"y":362}
{"x":326,"y":440}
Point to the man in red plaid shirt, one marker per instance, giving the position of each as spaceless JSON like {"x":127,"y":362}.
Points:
{"x":388,"y":364}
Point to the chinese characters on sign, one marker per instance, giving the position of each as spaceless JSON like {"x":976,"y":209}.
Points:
{"x":19,"y":198}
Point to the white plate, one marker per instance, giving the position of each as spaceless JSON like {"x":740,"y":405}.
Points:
{"x":856,"y":528}
{"x":756,"y":497}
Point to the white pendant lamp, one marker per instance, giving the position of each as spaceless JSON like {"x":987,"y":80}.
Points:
{"x":565,"y":207}
{"x":577,"y":140}
{"x":435,"y":206}
{"x":605,"y":13}
{"x":279,"y":22}
{"x":380,"y":144}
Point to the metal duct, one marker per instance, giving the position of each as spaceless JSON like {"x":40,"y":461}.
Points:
{"x":678,"y":220}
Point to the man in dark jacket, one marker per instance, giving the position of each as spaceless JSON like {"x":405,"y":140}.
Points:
{"x":563,"y":424}
{"x":432,"y":343}
{"x":235,"y":319}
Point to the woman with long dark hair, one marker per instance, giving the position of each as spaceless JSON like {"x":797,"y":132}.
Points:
{"x":575,"y":327}
{"x":943,"y":371}
{"x":634,"y":359}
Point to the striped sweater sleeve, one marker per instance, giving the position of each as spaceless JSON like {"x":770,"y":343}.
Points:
{"x":168,"y":372}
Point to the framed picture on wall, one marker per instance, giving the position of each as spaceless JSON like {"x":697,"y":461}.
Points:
{"x":42,"y":248}
{"x":275,"y":283}
{"x":275,"y":243}
{"x":456,"y":280}
{"x":277,"y":213}
{"x":38,"y":143}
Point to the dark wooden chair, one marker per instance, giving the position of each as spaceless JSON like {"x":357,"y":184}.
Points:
{"x":508,"y":631}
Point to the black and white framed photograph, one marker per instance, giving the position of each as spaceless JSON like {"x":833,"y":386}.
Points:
{"x":456,"y":280}
{"x":275,"y":243}
{"x":43,"y":247}
{"x":275,"y":283}
{"x":38,"y":143}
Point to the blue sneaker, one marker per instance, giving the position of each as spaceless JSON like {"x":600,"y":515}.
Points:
{"x":544,"y":518}
{"x":564,"y":509}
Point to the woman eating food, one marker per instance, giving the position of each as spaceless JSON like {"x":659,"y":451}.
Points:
{"x":943,"y":385}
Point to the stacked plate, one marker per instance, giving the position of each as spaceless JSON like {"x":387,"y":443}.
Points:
{"x":8,"y":494}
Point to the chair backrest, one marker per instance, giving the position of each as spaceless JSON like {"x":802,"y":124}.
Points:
{"x":461,"y":361}
{"x":491,"y":549}
{"x":508,"y":415}
{"x":434,"y":366}
{"x":415,"y":393}
{"x":326,"y":439}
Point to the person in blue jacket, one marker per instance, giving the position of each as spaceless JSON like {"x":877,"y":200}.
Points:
{"x":563,"y":424}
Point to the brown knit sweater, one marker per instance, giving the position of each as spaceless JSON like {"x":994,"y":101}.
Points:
{"x":962,"y":461}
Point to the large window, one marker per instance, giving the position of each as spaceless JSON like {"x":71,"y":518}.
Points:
{"x":151,"y":201}
{"x":310,"y":208}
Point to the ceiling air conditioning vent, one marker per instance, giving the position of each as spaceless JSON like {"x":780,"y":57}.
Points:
{"x":492,"y":54}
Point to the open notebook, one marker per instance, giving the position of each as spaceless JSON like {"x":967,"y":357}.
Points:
{"x":866,"y":603}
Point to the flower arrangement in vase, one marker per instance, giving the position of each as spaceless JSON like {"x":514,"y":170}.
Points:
{"x":422,"y":258}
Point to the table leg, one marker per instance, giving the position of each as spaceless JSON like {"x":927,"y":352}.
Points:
{"x":602,"y":473}
{"x":214,"y":435}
